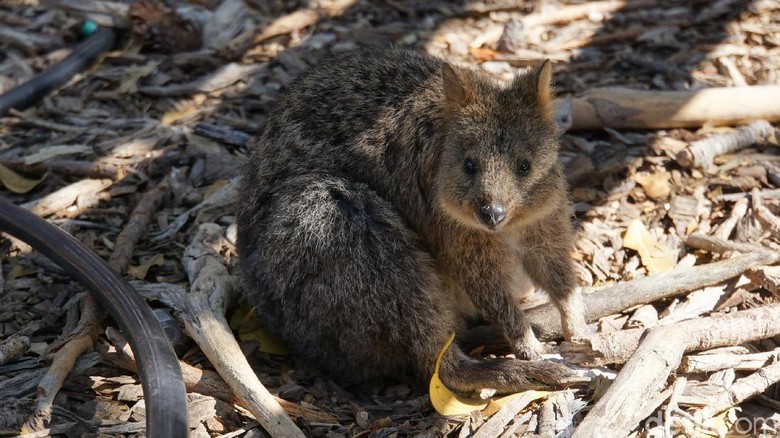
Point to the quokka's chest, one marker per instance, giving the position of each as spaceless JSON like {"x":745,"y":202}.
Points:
{"x":518,"y":285}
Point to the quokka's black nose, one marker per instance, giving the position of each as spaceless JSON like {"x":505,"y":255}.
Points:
{"x":492,"y":214}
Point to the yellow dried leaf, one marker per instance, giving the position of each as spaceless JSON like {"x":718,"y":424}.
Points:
{"x":139,"y":272}
{"x":249,"y":328}
{"x":450,"y":404}
{"x":655,"y":256}
{"x":445,"y":401}
{"x":17,"y":183}
{"x":655,"y":185}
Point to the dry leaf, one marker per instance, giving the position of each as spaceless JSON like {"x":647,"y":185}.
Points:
{"x":17,"y":183}
{"x":655,"y":256}
{"x":183,"y":110}
{"x":132,"y":74}
{"x":450,"y":404}
{"x":139,"y":272}
{"x":55,"y":151}
{"x":483,"y":54}
{"x":244,"y":322}
{"x":655,"y":185}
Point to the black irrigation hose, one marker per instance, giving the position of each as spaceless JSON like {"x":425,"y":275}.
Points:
{"x":161,"y":378}
{"x":28,"y":93}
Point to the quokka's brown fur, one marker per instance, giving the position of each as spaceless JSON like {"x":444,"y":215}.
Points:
{"x":392,"y":197}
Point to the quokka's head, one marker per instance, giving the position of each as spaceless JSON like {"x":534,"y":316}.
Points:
{"x":500,"y":163}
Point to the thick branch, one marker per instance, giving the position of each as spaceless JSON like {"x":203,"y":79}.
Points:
{"x":608,"y":300}
{"x":639,"y":109}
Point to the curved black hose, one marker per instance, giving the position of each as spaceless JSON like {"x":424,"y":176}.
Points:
{"x":28,"y":93}
{"x":161,"y":378}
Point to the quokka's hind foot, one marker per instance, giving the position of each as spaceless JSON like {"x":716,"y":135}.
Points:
{"x":464,"y":374}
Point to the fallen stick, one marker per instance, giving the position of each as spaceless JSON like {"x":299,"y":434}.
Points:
{"x":640,"y":109}
{"x":136,"y":226}
{"x":709,"y":363}
{"x":765,"y":194}
{"x":719,"y":246}
{"x":768,"y":220}
{"x":726,"y":227}
{"x":741,"y":390}
{"x":205,"y":382}
{"x":66,"y":196}
{"x":566,"y":14}
{"x":202,"y":312}
{"x":609,"y":300}
{"x":80,"y":341}
{"x":702,"y":152}
{"x":556,"y":15}
{"x":86,"y":169}
{"x":660,"y":352}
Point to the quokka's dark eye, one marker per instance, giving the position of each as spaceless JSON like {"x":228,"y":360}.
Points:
{"x":524,"y":168}
{"x":469,"y":167}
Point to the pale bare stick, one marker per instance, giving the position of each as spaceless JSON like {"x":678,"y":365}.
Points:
{"x":719,"y":246}
{"x":660,"y":353}
{"x":700,"y":153}
{"x":608,"y":300}
{"x":741,"y":390}
{"x":66,"y":196}
{"x":768,"y":219}
{"x":639,"y":109}
{"x":555,"y":15}
{"x":80,"y":341}
{"x":495,"y":425}
{"x":569,"y":13}
{"x":708,"y":363}
{"x":726,"y":227}
{"x":202,"y":311}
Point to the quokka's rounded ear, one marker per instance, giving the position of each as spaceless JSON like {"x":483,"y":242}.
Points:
{"x":456,"y":88}
{"x":543,"y":77}
{"x":538,"y":84}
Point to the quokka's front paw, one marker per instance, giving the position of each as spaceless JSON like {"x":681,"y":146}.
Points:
{"x":528,"y":348}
